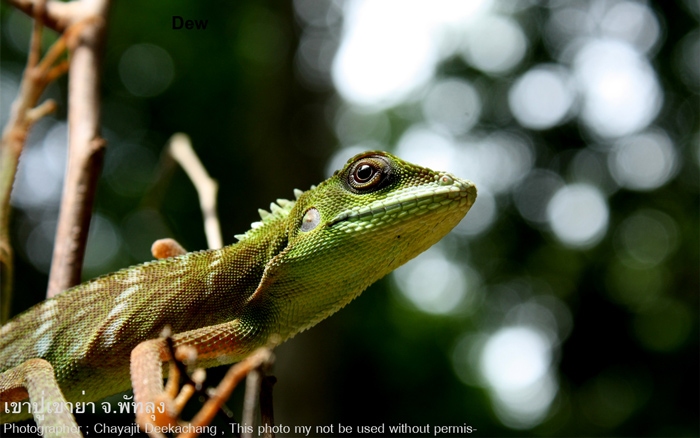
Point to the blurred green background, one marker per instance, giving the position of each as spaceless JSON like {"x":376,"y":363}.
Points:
{"x":566,"y":304}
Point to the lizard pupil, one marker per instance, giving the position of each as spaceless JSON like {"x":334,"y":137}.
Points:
{"x":364,"y":173}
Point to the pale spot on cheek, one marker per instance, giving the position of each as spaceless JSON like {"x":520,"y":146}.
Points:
{"x":310,"y":220}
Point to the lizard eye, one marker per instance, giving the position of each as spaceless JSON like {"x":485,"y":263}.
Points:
{"x":369,"y":174}
{"x":364,"y":173}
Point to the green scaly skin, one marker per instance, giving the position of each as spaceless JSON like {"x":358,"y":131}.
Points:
{"x":304,"y":261}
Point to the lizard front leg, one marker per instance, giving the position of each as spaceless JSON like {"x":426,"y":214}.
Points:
{"x":223,"y":343}
{"x":35,"y":380}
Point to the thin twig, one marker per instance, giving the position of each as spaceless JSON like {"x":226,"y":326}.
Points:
{"x":38,"y":30}
{"x":85,"y":149}
{"x":234,"y":375}
{"x":45,"y":108}
{"x":37,"y":76}
{"x":56,"y":15}
{"x":180,"y":148}
{"x":250,"y":401}
{"x":267,"y":417}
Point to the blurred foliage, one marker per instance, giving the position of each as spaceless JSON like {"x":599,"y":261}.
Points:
{"x":630,"y":364}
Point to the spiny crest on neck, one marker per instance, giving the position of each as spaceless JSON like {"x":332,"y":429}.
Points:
{"x":278,"y":210}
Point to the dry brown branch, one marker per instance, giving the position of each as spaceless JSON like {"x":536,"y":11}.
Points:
{"x":267,"y":417}
{"x":250,"y":401}
{"x":56,"y":15}
{"x":254,"y":367}
{"x":85,"y":148}
{"x":180,"y":148}
{"x":222,"y":392}
{"x":37,"y":75}
{"x":180,"y":151}
{"x":259,"y":387}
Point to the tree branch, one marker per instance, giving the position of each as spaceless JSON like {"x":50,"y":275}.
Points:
{"x":267,"y":417}
{"x":37,"y":75}
{"x":250,"y":400}
{"x":234,"y":375}
{"x":180,"y":148}
{"x":56,"y":15}
{"x":85,"y":149}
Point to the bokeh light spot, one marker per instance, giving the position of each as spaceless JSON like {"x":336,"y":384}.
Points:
{"x":578,"y":215}
{"x":466,"y":356}
{"x":533,"y":194}
{"x":636,"y":288}
{"x":515,"y":364}
{"x":315,"y":58}
{"x":542,"y":97}
{"x":146,"y":70}
{"x":427,"y":147}
{"x":525,"y":408}
{"x":452,"y":105}
{"x":643,"y":162}
{"x":495,"y":44}
{"x":590,"y":166}
{"x":481,"y":216}
{"x":390,"y":49}
{"x":317,"y":13}
{"x":609,"y":399}
{"x":386,"y":54}
{"x":432,"y":283}
{"x":686,"y":60}
{"x":39,"y":177}
{"x":632,"y":22}
{"x":515,"y":357}
{"x":495,"y":163}
{"x":129,"y":168}
{"x":103,"y":245}
{"x":38,"y":245}
{"x":621,"y":94}
{"x":648,"y":237}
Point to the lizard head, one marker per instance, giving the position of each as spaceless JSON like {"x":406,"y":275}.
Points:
{"x":369,"y":218}
{"x":379,"y":195}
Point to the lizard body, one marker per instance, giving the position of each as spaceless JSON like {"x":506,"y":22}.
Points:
{"x":304,"y":261}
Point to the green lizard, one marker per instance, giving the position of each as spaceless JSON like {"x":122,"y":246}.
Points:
{"x":304,"y":261}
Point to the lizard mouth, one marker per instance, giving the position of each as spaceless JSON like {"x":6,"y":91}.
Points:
{"x":413,"y":202}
